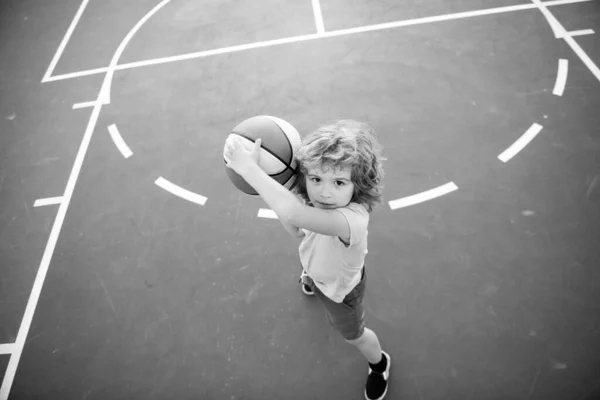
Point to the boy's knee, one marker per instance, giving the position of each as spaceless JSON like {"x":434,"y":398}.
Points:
{"x":358,"y":340}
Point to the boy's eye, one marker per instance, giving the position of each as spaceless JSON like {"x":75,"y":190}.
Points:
{"x":316,"y":180}
{"x":339,"y":183}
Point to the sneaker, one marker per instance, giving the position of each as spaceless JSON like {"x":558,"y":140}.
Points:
{"x":377,"y":382}
{"x":305,"y":288}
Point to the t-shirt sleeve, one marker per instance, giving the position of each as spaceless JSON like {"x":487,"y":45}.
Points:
{"x":358,"y":221}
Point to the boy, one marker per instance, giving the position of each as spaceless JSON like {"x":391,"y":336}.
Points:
{"x":340,"y":181}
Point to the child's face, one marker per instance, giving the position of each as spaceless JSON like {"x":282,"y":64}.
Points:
{"x":329,"y":188}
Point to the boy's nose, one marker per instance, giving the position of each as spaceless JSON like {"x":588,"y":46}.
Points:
{"x":326,"y":192}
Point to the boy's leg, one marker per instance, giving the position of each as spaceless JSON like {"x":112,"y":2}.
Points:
{"x":379,"y":364}
{"x":348,"y":319}
{"x":369,"y":345}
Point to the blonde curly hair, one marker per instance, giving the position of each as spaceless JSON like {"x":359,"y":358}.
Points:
{"x":344,"y":144}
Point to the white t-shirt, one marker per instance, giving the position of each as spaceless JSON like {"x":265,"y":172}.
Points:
{"x":334,"y":267}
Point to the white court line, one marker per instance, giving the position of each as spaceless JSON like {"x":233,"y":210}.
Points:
{"x":423,"y":196}
{"x":87,"y":104}
{"x":582,"y":32}
{"x":119,"y":142}
{"x":316,"y":5}
{"x":19,"y":345}
{"x":520,"y":143}
{"x":558,"y":30}
{"x":51,"y":201}
{"x":64,"y":42}
{"x":7,"y":348}
{"x":583,"y":56}
{"x":106,"y":85}
{"x":570,"y":41}
{"x":180,"y":192}
{"x":561,"y":77}
{"x":47,"y":256}
{"x":302,"y":38}
{"x":266,"y":213}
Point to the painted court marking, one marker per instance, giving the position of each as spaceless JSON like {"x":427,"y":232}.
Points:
{"x":582,"y":32}
{"x":40,"y":277}
{"x":87,"y":104}
{"x":561,"y":77}
{"x":561,"y":33}
{"x":583,"y":56}
{"x":119,"y":142}
{"x":318,"y":16}
{"x":47,"y":256}
{"x":6,"y":348}
{"x":423,"y":196}
{"x":180,"y":192}
{"x":104,"y":97}
{"x":50,"y":201}
{"x":64,"y":42}
{"x":557,"y":28}
{"x":302,"y":38}
{"x":520,"y":143}
{"x":266,"y":213}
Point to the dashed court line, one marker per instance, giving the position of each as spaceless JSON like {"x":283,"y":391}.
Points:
{"x":520,"y":143}
{"x":180,"y":192}
{"x":423,"y":196}
{"x":119,"y":142}
{"x":16,"y":348}
{"x":394,"y":204}
{"x":561,"y":77}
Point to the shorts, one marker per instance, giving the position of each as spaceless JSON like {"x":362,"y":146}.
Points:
{"x":347,"y":317}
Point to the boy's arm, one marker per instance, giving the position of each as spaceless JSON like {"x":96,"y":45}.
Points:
{"x":290,"y":209}
{"x":286,"y":205}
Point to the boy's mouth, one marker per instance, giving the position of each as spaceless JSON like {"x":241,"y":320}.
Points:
{"x":325,"y":204}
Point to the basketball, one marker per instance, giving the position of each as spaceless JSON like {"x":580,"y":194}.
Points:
{"x":280,"y":141}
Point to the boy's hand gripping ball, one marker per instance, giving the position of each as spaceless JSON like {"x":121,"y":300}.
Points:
{"x":280,"y":141}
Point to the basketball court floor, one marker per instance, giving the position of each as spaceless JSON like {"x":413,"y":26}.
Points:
{"x":131,"y":268}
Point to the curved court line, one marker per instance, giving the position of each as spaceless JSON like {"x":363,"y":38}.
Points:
{"x":561,"y":77}
{"x":180,"y":192}
{"x":557,"y":28}
{"x":106,"y":85}
{"x":19,"y":344}
{"x":119,"y":142}
{"x":423,"y":196}
{"x":520,"y":143}
{"x":302,"y":38}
